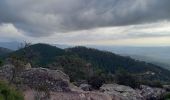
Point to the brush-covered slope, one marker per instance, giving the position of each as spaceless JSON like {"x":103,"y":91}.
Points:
{"x":112,"y":62}
{"x":77,"y":58}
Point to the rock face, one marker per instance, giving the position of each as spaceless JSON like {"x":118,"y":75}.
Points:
{"x":37,"y":78}
{"x":151,"y":93}
{"x":6,"y":72}
{"x":52,"y":80}
{"x":121,"y":92}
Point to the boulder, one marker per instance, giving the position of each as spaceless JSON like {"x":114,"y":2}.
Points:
{"x":121,"y":92}
{"x":6,"y":72}
{"x":31,"y":94}
{"x":86,"y":87}
{"x":41,"y":78}
{"x":150,"y":93}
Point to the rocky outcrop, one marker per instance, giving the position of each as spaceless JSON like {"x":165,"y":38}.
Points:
{"x":6,"y":72}
{"x":41,"y":78}
{"x":37,"y":78}
{"x":55,"y":85}
{"x":121,"y":92}
{"x":149,"y":93}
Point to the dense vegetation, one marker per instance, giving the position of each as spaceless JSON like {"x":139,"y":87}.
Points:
{"x":111,"y":62}
{"x":9,"y":93}
{"x":82,"y":63}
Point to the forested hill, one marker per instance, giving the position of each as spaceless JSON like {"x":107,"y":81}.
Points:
{"x":112,"y":62}
{"x":4,"y":51}
{"x":44,"y":55}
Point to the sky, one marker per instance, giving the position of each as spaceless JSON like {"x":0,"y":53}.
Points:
{"x":82,"y":22}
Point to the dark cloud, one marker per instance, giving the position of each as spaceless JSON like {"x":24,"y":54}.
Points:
{"x":45,"y":17}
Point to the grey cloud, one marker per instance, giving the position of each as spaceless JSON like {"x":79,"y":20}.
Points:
{"x":45,"y":17}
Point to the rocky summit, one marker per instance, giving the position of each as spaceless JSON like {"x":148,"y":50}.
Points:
{"x":46,"y":84}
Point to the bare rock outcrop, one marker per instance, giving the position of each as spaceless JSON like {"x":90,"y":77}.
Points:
{"x":6,"y":72}
{"x":150,"y":93}
{"x":121,"y":92}
{"x":127,"y":93}
{"x":42,"y":78}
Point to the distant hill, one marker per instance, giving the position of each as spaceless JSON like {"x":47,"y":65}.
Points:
{"x":157,"y":55}
{"x":10,"y":45}
{"x":45,"y":55}
{"x":4,"y":51}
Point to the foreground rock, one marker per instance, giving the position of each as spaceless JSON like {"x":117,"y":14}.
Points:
{"x":121,"y":92}
{"x":31,"y":95}
{"x":6,"y":72}
{"x":56,"y":86}
{"x":41,"y":78}
{"x":36,"y":78}
{"x":149,"y":93}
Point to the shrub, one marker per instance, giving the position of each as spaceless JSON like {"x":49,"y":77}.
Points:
{"x":157,"y":84}
{"x":9,"y":93}
{"x":96,"y":82}
{"x":124,"y":78}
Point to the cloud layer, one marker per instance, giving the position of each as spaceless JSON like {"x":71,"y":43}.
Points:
{"x":38,"y":18}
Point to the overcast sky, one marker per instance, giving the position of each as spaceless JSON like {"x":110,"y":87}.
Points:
{"x":80,"y":22}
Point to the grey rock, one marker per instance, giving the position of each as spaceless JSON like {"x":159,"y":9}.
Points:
{"x":86,"y":87}
{"x":121,"y":92}
{"x":41,"y":78}
{"x":6,"y":72}
{"x":150,"y":93}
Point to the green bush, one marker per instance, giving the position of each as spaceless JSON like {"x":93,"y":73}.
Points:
{"x":155,"y":83}
{"x":96,"y":82}
{"x":124,"y":78}
{"x":9,"y":93}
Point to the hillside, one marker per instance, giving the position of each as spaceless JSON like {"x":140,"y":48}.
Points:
{"x":158,"y":55}
{"x":39,"y":54}
{"x":70,"y":59}
{"x":112,"y":62}
{"x":4,"y":51}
